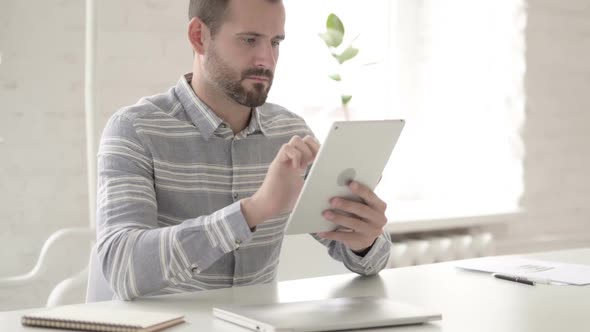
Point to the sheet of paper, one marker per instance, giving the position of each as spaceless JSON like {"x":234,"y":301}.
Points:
{"x":574,"y":274}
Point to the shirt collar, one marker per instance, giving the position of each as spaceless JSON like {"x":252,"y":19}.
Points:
{"x":203,"y":117}
{"x":255,"y":124}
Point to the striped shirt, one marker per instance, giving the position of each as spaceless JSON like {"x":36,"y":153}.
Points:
{"x":171,"y":175}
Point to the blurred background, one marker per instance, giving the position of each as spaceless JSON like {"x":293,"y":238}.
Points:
{"x":494,"y":159}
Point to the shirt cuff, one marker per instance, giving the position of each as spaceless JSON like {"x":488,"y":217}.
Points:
{"x":380,"y":247}
{"x":206,"y":239}
{"x":234,"y":228}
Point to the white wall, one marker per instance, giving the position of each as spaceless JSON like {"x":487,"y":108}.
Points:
{"x":142,"y":51}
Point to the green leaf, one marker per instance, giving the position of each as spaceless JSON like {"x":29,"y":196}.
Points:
{"x":346,"y":55}
{"x":332,"y":38}
{"x":346,"y":99}
{"x":334,"y":23}
{"x":335,"y":77}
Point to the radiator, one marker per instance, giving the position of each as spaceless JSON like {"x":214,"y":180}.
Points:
{"x":434,"y":248}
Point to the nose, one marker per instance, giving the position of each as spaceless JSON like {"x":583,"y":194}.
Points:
{"x":266,"y":56}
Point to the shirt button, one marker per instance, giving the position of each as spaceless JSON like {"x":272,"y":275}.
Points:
{"x":236,"y":196}
{"x":238,"y":242}
{"x":223,"y":125}
{"x":195,"y":269}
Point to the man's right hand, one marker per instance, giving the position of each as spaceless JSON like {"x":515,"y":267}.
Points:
{"x":283,"y":182}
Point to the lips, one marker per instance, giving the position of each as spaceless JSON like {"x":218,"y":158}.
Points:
{"x":258,"y":78}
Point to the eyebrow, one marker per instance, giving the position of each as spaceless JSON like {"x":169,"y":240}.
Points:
{"x":256,"y":34}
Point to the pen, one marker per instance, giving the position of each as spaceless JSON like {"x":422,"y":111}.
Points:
{"x":518,"y":279}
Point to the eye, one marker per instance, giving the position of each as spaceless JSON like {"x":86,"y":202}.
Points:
{"x":249,"y":40}
{"x":276,"y":43}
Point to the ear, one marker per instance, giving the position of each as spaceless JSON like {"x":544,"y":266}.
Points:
{"x":198,"y":34}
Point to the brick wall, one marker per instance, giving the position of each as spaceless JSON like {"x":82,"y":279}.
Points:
{"x":141,"y":50}
{"x":42,"y":163}
{"x":557,"y":130}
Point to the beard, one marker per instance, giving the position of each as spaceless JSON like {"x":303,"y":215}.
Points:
{"x":230,"y":82}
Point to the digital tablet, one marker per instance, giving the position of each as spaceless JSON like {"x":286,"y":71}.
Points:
{"x":353,"y":150}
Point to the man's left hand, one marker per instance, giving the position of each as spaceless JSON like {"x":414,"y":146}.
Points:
{"x":366,"y":223}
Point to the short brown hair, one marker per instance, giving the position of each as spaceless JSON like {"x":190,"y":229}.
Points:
{"x":211,"y":12}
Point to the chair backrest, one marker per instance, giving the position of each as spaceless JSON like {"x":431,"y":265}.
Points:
{"x":98,"y":288}
{"x":51,"y":267}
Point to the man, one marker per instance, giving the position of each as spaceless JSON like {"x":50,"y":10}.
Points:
{"x":195,"y":184}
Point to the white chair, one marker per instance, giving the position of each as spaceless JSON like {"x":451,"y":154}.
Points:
{"x":55,"y":250}
{"x":98,"y":288}
{"x":69,"y":291}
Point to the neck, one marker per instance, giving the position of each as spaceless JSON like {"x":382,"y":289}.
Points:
{"x":235,"y":115}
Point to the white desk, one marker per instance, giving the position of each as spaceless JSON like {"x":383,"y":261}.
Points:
{"x":469,"y":301}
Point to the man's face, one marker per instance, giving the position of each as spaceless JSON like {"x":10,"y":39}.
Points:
{"x":242,"y":56}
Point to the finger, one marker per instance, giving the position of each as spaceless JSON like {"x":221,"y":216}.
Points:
{"x":292,"y":156}
{"x":345,"y":237}
{"x":354,"y":224}
{"x":313,"y":144}
{"x":368,"y":196}
{"x":354,"y":241}
{"x":307,"y":155}
{"x":297,"y":142}
{"x":363,"y":211}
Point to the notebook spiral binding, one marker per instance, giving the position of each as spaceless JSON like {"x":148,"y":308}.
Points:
{"x":77,"y":325}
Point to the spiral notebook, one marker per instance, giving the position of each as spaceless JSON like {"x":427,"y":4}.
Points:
{"x":88,"y":318}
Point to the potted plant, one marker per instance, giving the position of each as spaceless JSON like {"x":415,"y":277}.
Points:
{"x":333,"y":37}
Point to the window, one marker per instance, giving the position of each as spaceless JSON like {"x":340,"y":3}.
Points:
{"x":453,"y":70}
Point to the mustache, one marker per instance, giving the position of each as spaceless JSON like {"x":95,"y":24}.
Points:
{"x":258,"y":72}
